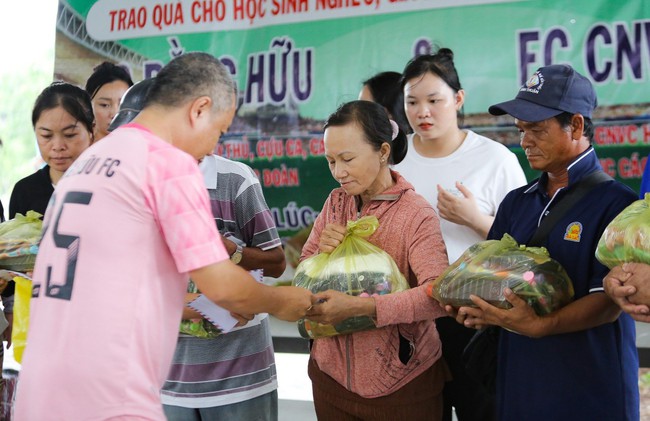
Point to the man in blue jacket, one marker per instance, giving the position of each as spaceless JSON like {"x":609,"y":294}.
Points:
{"x":579,"y":362}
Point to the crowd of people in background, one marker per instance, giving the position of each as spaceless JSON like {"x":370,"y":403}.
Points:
{"x":178,"y":223}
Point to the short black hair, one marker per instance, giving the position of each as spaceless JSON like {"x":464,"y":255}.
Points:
{"x":374,"y":121}
{"x":74,"y":100}
{"x":440,"y":64}
{"x":386,"y":90}
{"x":191,"y":76}
{"x":104,"y":73}
{"x":564,"y":119}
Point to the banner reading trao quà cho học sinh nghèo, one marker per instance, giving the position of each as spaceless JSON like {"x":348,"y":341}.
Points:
{"x":295,"y":61}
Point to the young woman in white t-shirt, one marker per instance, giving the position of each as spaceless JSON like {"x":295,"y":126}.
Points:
{"x":464,"y":176}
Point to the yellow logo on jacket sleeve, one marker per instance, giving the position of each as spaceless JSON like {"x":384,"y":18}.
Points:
{"x":573,"y":232}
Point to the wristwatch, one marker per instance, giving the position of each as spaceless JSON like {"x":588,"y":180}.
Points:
{"x":237,"y":255}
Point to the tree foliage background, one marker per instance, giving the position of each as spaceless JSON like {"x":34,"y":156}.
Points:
{"x":19,"y":155}
{"x":26,"y":67}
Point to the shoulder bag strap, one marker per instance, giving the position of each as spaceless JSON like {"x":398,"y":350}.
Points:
{"x":573,"y":196}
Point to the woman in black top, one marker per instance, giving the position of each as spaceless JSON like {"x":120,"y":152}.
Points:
{"x":63,"y":122}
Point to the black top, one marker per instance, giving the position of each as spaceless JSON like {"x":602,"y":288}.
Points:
{"x":31,"y":193}
{"x":2,"y":213}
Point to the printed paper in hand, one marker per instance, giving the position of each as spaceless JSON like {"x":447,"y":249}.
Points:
{"x":218,"y":316}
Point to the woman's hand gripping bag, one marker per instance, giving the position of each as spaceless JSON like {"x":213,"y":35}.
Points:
{"x":488,"y":267}
{"x":19,"y":239}
{"x":627,"y":237}
{"x":356,"y":267}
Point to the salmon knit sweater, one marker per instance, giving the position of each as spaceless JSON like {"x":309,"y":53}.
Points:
{"x":367,"y":363}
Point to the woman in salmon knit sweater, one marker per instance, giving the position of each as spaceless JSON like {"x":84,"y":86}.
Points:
{"x":394,"y":371}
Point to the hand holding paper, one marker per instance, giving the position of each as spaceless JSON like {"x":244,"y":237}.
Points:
{"x":218,"y":316}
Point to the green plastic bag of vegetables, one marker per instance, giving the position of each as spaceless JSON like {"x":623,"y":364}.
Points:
{"x":488,"y":267}
{"x":19,"y":238}
{"x":355,"y":267}
{"x":627,"y":237}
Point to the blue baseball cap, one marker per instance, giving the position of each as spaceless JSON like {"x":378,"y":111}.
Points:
{"x":552,"y":90}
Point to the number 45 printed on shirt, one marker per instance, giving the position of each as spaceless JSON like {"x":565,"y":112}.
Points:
{"x":63,"y":241}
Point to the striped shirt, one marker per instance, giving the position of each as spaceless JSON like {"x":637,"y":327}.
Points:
{"x":239,"y":365}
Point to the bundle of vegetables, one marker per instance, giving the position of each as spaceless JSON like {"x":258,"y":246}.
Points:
{"x":488,"y":267}
{"x":19,"y":239}
{"x":627,"y":237}
{"x":356,"y":267}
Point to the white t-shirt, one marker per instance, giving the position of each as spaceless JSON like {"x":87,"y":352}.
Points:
{"x":487,"y":168}
{"x":127,"y":222}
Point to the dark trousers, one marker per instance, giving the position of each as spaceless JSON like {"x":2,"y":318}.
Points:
{"x":418,"y":400}
{"x":470,"y":399}
{"x":261,"y":408}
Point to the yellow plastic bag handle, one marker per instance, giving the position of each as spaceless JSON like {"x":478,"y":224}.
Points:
{"x":22,"y":299}
{"x":363,"y":227}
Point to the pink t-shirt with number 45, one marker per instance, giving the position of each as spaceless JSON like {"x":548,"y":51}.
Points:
{"x":127,"y":222}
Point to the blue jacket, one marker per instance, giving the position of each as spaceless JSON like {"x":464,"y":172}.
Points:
{"x":586,"y":375}
{"x":645,"y":181}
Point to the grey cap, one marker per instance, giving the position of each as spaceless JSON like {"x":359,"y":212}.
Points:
{"x":131,"y":104}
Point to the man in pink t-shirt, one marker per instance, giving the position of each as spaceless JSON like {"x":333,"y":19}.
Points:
{"x":126,"y":227}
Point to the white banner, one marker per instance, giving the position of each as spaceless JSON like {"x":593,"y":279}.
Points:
{"x":110,"y":20}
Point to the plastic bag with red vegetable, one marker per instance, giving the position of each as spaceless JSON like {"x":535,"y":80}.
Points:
{"x":488,"y":267}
